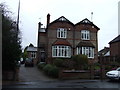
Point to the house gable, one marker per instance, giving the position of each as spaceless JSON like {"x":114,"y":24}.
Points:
{"x":86,"y":21}
{"x":61,"y":19}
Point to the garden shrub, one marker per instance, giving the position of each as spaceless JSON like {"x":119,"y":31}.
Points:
{"x":41,"y":65}
{"x":51,"y":70}
{"x":80,"y":60}
{"x":54,"y":71}
{"x":96,"y":66}
{"x":47,"y":68}
{"x":58,"y":62}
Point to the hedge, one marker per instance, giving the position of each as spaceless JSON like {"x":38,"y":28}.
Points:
{"x":51,"y":70}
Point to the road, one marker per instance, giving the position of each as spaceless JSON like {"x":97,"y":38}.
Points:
{"x":31,"y":77}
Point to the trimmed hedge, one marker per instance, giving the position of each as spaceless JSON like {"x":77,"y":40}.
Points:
{"x":51,"y":70}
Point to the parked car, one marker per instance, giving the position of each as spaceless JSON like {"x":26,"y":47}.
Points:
{"x":114,"y":74}
{"x":18,"y":64}
{"x":29,"y":62}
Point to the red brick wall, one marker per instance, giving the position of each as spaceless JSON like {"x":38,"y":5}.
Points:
{"x":52,"y":34}
{"x":115,"y":49}
{"x":93,"y":36}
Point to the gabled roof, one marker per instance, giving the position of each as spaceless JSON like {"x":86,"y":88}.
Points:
{"x":61,"y":19}
{"x":85,"y":44}
{"x":117,"y":39}
{"x":105,"y":51}
{"x":86,"y":21}
{"x":31,"y":49}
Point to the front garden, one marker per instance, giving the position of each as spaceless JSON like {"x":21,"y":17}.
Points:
{"x":60,"y":66}
{"x":76,"y":67}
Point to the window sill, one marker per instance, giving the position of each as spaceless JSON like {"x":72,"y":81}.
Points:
{"x":60,"y":57}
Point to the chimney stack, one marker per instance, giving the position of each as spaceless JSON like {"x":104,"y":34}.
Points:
{"x":39,"y":26}
{"x":48,"y":19}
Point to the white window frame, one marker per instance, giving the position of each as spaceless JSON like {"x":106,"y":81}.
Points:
{"x":89,"y":51}
{"x":61,"y":51}
{"x":61,"y":33}
{"x":33,"y":55}
{"x":85,"y":35}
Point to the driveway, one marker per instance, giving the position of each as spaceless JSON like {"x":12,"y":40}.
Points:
{"x":32,"y":74}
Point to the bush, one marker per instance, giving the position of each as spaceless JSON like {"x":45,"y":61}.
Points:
{"x":58,"y":62}
{"x":54,"y":71}
{"x":47,"y":68}
{"x":41,"y":65}
{"x":80,"y":60}
{"x":51,"y":70}
{"x":97,"y":66}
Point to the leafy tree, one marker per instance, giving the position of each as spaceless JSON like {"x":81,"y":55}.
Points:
{"x":24,"y":54}
{"x":11,"y":48}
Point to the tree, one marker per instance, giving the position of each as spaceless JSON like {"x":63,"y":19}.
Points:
{"x":24,"y":54}
{"x":11,"y":48}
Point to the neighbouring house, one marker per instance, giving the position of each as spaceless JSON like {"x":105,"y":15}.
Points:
{"x":32,"y":53}
{"x":104,"y":52}
{"x":115,"y":46}
{"x":111,"y":55}
{"x":62,"y":39}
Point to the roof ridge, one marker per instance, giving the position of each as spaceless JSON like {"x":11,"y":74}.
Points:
{"x":116,"y":39}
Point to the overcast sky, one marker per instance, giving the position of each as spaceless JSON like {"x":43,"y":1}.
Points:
{"x":105,"y":16}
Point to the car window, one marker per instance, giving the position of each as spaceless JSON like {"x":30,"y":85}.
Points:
{"x":118,"y":69}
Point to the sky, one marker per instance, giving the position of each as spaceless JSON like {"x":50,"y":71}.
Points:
{"x":105,"y":16}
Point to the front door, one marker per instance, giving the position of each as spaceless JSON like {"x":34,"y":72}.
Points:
{"x":42,"y":56}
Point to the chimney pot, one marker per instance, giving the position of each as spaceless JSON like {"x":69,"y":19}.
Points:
{"x":48,"y":19}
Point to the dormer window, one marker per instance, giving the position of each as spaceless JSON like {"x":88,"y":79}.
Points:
{"x":61,"y":33}
{"x":85,"y":35}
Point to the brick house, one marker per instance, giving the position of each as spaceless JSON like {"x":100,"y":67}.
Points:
{"x":104,"y":52}
{"x":115,"y":46}
{"x":32,"y":53}
{"x":61,"y":38}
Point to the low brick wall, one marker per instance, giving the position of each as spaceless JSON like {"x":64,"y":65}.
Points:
{"x":10,"y":75}
{"x":74,"y":74}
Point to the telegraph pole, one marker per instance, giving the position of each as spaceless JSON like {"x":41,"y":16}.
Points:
{"x":18,"y":16}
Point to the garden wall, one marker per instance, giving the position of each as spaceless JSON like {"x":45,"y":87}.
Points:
{"x":74,"y":74}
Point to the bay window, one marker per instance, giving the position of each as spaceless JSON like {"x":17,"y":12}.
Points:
{"x":61,"y":51}
{"x":89,"y":51}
